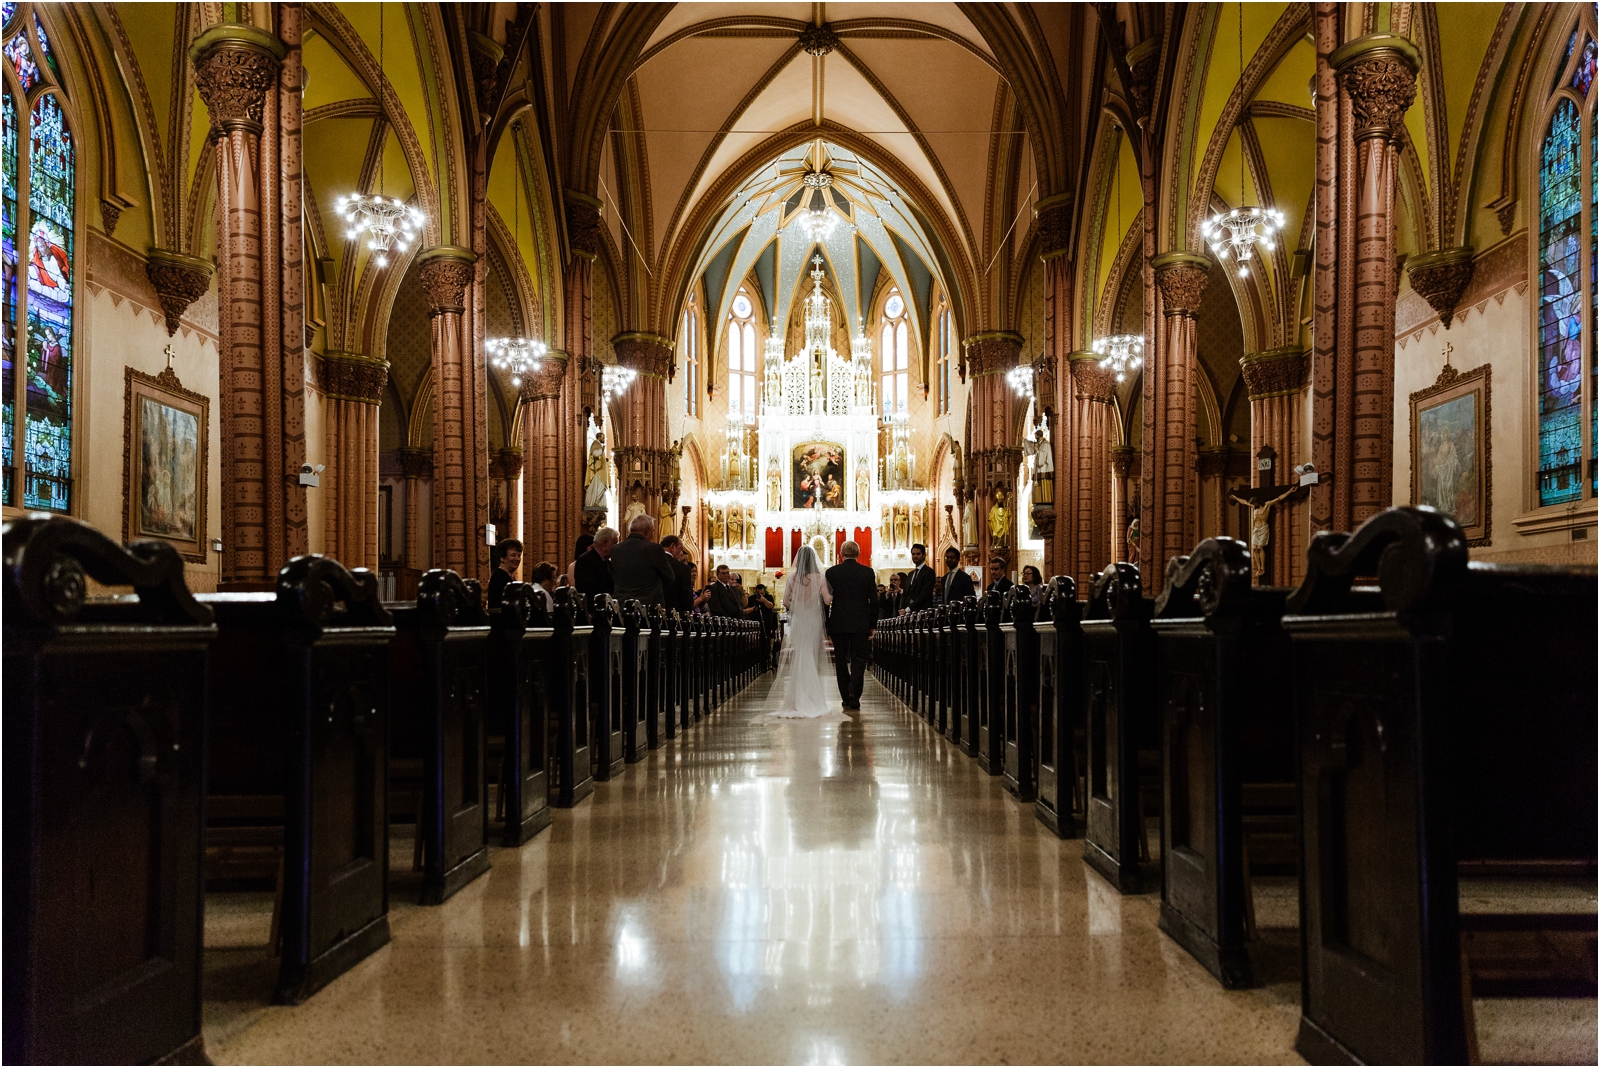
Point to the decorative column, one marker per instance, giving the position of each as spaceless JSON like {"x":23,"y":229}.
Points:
{"x":1093,"y":416}
{"x":1212,"y":466}
{"x":417,"y":466}
{"x":995,"y":449}
{"x":1363,"y":90}
{"x":1275,"y":382}
{"x":250,"y":80}
{"x":352,"y":385}
{"x":639,"y":419}
{"x":460,"y":463}
{"x":1052,"y":387}
{"x":1122,"y":457}
{"x":546,"y":481}
{"x":1168,"y":477}
{"x":511,"y":477}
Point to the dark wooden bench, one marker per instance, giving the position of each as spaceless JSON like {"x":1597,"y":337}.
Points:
{"x":605,"y":687}
{"x":634,"y":692}
{"x":105,"y":709}
{"x":573,"y":763}
{"x":992,"y":681}
{"x":954,"y":639}
{"x":297,"y":755}
{"x":439,"y":672}
{"x":1227,"y":748}
{"x":1020,"y":700}
{"x":1121,"y":736}
{"x":657,"y":660}
{"x":521,"y":694}
{"x":1060,"y":729}
{"x":974,"y":681}
{"x":1447,"y":726}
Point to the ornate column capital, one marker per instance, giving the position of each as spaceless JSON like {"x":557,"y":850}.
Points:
{"x":1093,"y":382}
{"x":1142,"y":60}
{"x":1274,"y":372}
{"x":1182,"y":277}
{"x":1055,"y":224}
{"x":511,"y":463}
{"x":235,"y":67}
{"x":416,"y":463}
{"x":447,"y":271}
{"x":583,"y":222}
{"x":1441,"y":277}
{"x":994,"y":352}
{"x":1122,"y":460}
{"x":648,"y":354}
{"x":545,"y":383}
{"x":485,"y":54}
{"x":1213,"y":462}
{"x":353,"y":377}
{"x":179,"y":281}
{"x":1379,"y":72}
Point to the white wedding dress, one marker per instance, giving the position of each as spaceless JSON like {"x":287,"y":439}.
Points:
{"x":804,"y":661}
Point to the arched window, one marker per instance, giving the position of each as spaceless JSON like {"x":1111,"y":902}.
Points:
{"x":894,"y":350}
{"x":1567,"y":265}
{"x":691,"y":360}
{"x":944,"y":361}
{"x":744,"y":359}
{"x":40,"y":198}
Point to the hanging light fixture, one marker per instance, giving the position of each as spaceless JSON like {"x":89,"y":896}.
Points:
{"x":388,"y":222}
{"x":516,"y":356}
{"x":1020,"y":379}
{"x":820,"y":224}
{"x":1120,"y":353}
{"x":1235,"y":232}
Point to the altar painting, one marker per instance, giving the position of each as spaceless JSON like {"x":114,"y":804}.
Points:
{"x":819,"y":475}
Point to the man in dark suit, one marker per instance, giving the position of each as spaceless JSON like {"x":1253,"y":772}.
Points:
{"x":641,"y":569}
{"x":681,"y":595}
{"x":998,"y":582}
{"x":957,"y":583}
{"x":920,"y":582}
{"x":727,"y":600}
{"x":851,"y":621}
{"x":592,"y":574}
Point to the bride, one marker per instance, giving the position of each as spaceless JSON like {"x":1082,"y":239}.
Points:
{"x":804,"y":658}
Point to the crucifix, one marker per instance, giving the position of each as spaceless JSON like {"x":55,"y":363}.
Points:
{"x":1447,"y":350}
{"x":168,"y":353}
{"x":1259,"y":502}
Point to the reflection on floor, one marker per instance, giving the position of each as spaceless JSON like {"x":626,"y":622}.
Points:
{"x":768,"y":891}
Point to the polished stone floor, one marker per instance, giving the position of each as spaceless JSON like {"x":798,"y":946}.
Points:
{"x":765,"y":891}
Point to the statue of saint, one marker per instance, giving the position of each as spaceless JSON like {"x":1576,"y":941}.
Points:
{"x":999,"y":520}
{"x":774,"y":487}
{"x":675,"y":465}
{"x":713,"y":523}
{"x":635,"y":507}
{"x":1133,"y":541}
{"x":665,"y":515}
{"x":902,"y":476}
{"x":901,"y":521}
{"x":750,"y":529}
{"x":735,"y":526}
{"x":918,"y":523}
{"x":597,"y":476}
{"x":863,"y":487}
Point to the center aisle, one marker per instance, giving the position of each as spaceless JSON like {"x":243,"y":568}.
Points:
{"x":787,"y":892}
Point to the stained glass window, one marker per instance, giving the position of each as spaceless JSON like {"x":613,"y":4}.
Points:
{"x":1560,"y":308}
{"x":744,"y":360}
{"x":894,"y":351}
{"x":41,"y":161}
{"x":1583,"y":76}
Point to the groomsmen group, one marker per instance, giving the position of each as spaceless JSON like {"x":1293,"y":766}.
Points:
{"x":919,"y":588}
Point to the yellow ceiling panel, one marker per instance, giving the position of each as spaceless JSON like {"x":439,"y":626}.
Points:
{"x":1289,"y":147}
{"x":1125,"y":183}
{"x":396,"y":51}
{"x":329,"y":77}
{"x":333,"y":150}
{"x":1464,"y":34}
{"x":150,"y":29}
{"x":1222,"y":69}
{"x":1290,"y":80}
{"x":506,"y":194}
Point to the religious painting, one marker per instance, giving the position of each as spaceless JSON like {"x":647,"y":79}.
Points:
{"x":164,"y":432}
{"x":819,"y":475}
{"x":1450,"y":449}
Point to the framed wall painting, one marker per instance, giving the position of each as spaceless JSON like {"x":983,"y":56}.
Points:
{"x":1450,"y":445}
{"x":165,"y":429}
{"x":819,"y":475}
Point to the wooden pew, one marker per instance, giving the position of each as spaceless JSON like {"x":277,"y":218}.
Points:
{"x":992,"y":680}
{"x":975,"y":688}
{"x":635,"y":690}
{"x":669,"y":653}
{"x":1446,"y":725}
{"x":569,"y":672}
{"x":1227,"y":732}
{"x":297,"y":755}
{"x":1020,"y":700}
{"x":1121,"y":730}
{"x":605,"y":687}
{"x":105,"y":708}
{"x":439,"y":673}
{"x":1060,"y":707}
{"x":656,"y":661}
{"x":521,"y":669}
{"x":950,"y":642}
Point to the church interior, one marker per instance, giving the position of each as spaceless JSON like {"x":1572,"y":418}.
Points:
{"x":349,"y":334}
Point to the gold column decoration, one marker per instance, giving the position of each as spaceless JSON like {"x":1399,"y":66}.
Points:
{"x":249,"y":80}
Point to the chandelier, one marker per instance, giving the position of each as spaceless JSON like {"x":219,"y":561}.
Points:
{"x":517,"y":356}
{"x":389,"y":223}
{"x":1020,"y":379}
{"x":1120,"y":353}
{"x":1236,"y":231}
{"x":614,"y":381}
{"x":820,"y":223}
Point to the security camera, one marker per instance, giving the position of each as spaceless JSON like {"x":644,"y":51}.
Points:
{"x":1307,"y":473}
{"x":310,"y":476}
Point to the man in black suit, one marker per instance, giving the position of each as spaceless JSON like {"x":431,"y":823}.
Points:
{"x":957,"y":583}
{"x":592,"y":574}
{"x":727,"y":600}
{"x":641,"y":569}
{"x":919,"y":583}
{"x":851,"y":621}
{"x":681,"y":595}
{"x":998,"y":583}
